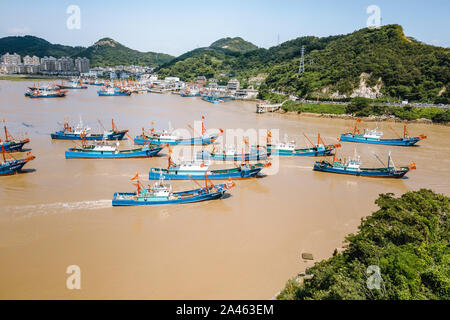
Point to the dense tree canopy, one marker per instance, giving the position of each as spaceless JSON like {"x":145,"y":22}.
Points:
{"x":407,"y":238}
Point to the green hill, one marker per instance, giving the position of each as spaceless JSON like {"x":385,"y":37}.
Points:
{"x":105,"y":52}
{"x":369,"y":62}
{"x":108,"y":52}
{"x":30,"y":45}
{"x":234,"y":44}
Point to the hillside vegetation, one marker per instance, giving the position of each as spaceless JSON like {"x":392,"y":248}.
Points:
{"x":105,"y":52}
{"x":407,"y":239}
{"x":369,"y":62}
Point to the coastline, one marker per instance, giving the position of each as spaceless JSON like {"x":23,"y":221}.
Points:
{"x":363,"y":119}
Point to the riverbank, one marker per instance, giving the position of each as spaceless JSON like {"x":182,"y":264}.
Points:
{"x":429,"y":115}
{"x":28,"y":78}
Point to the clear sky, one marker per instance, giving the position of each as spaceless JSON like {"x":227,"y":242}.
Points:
{"x":177,"y":26}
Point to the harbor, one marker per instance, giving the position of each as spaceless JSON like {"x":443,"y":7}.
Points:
{"x":238,"y":247}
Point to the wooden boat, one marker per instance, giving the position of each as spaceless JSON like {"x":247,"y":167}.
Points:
{"x":374,"y":137}
{"x":10,"y":143}
{"x":169,"y":138}
{"x":288,"y":148}
{"x":162,"y":193}
{"x":352,"y":167}
{"x":103,"y":150}
{"x":69,"y":133}
{"x":13,"y":165}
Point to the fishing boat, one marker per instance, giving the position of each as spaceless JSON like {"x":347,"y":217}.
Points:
{"x":13,"y":165}
{"x":195,"y":169}
{"x":374,"y":137}
{"x":168,"y":137}
{"x":190,"y":92}
{"x":105,"y":150}
{"x":73,"y":85}
{"x":353,"y":167}
{"x":211,"y":99}
{"x":45,"y":93}
{"x":10,"y":143}
{"x":110,"y":91}
{"x":288,"y":148}
{"x":81,"y":131}
{"x":161,"y":193}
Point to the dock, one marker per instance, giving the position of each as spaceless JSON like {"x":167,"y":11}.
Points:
{"x":264,"y":107}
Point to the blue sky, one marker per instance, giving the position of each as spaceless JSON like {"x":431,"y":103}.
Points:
{"x":176,"y":26}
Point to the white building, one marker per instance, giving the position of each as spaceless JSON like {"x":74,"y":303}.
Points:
{"x":233,"y":84}
{"x":11,"y":59}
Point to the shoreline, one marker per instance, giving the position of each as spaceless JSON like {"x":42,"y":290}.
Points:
{"x":363,"y":119}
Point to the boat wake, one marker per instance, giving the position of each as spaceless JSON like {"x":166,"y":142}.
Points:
{"x":57,"y":207}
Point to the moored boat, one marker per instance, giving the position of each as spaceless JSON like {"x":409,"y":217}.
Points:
{"x":161,"y":193}
{"x":230,"y":154}
{"x":72,"y":85}
{"x":353,"y":167}
{"x":103,"y":150}
{"x":288,"y":148}
{"x":76,"y":133}
{"x":168,"y":137}
{"x":13,"y":165}
{"x":45,"y":93}
{"x":110,"y":91}
{"x":10,"y":143}
{"x":374,"y":137}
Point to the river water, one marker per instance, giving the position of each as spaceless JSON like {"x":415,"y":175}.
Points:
{"x":245,"y":246}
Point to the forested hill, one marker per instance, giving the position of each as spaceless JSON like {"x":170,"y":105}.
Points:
{"x":368,"y":62}
{"x":105,"y":52}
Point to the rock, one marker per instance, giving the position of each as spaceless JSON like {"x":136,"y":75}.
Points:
{"x":307,"y":256}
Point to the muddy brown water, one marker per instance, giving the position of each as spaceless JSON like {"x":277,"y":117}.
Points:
{"x":245,"y":246}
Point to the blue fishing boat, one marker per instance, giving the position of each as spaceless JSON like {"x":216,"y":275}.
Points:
{"x":108,"y":92}
{"x":10,"y":143}
{"x":374,"y":137}
{"x":162,"y":193}
{"x":14,"y":165}
{"x":230,"y":154}
{"x":104,"y":150}
{"x":288,"y":148}
{"x":72,"y":85}
{"x":352,"y":167}
{"x":190,"y":92}
{"x":46,"y":93}
{"x":69,"y":133}
{"x":169,"y":138}
{"x":197,"y":169}
{"x":211,"y":99}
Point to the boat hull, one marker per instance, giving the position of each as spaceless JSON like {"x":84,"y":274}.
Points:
{"x":190,"y":199}
{"x":12,"y":167}
{"x":105,"y":94}
{"x":391,"y":142}
{"x":377,"y":173}
{"x":220,"y":156}
{"x":47,"y":96}
{"x":190,"y":141}
{"x":60,"y":135}
{"x":14,"y":146}
{"x":173,"y":174}
{"x":73,"y":153}
{"x":311,"y":152}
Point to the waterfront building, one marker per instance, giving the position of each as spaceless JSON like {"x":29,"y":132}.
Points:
{"x":48,"y":64}
{"x":64,"y":64}
{"x":11,"y":59}
{"x":171,"y":79}
{"x":82,"y":64}
{"x":233,"y":84}
{"x":201,"y":80}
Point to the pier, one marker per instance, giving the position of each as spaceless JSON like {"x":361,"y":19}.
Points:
{"x":264,"y":107}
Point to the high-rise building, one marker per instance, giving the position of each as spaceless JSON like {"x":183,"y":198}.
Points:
{"x":82,"y":64}
{"x":11,"y":59}
{"x":64,"y":64}
{"x":48,"y":63}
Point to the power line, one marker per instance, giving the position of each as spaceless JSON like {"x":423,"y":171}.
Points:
{"x":301,"y":68}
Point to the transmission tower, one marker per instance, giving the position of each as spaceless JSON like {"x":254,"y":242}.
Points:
{"x":301,"y":69}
